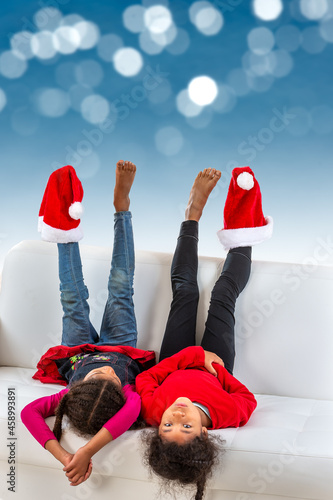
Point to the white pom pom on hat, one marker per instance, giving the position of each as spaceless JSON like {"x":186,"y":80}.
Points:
{"x":245,"y":181}
{"x":76,"y":210}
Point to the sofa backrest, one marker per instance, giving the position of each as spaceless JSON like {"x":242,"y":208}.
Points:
{"x":284,"y":317}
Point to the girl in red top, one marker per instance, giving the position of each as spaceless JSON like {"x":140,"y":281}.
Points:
{"x":192,"y":389}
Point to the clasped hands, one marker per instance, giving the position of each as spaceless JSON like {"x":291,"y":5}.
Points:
{"x":78,"y":467}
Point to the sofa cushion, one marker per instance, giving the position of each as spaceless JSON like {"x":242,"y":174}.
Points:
{"x":285,"y":448}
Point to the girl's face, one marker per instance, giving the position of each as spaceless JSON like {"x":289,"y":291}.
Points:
{"x":181,"y":422}
{"x":104,"y":372}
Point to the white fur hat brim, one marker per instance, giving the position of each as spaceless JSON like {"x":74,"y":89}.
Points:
{"x":247,"y":236}
{"x":54,"y":235}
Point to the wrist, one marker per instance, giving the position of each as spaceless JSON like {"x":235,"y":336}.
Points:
{"x":87,"y":450}
{"x":65,"y":457}
{"x":55,"y":448}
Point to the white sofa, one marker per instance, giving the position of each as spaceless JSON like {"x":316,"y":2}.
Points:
{"x":284,"y":355}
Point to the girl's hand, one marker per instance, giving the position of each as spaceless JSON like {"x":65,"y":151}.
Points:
{"x":211,"y":357}
{"x":79,"y":468}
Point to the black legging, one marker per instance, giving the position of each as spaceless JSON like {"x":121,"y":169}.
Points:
{"x":181,"y":325}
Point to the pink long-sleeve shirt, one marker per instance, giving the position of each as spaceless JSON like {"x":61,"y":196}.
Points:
{"x":34,"y":414}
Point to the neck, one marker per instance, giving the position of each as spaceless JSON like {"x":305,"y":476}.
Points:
{"x":205,"y":420}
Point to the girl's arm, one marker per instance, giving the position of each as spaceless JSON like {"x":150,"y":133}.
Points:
{"x":117,"y":425}
{"x":55,"y":448}
{"x":127,"y":415}
{"x":243,"y":400}
{"x":34,"y":414}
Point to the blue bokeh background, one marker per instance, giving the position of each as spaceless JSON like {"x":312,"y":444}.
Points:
{"x":273,"y":111}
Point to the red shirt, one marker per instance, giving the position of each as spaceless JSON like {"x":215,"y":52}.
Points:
{"x":229,"y":402}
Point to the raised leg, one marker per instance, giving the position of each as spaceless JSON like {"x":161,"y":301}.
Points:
{"x":119,"y":323}
{"x":76,"y":326}
{"x":181,"y":325}
{"x":180,"y":328}
{"x":219,"y":331}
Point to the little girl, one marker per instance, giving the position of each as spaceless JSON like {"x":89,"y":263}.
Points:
{"x":100,"y":371}
{"x":192,"y":389}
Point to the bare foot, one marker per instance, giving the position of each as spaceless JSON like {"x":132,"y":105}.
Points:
{"x":201,"y":189}
{"x":125,"y":173}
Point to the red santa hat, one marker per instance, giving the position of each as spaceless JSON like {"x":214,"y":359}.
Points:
{"x":244,"y":221}
{"x":61,"y":208}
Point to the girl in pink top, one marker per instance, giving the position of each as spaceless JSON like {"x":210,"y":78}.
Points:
{"x":100,"y":370}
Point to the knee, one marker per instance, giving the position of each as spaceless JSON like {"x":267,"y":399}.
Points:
{"x":69,"y":295}
{"x":225,"y":288}
{"x":188,"y":290}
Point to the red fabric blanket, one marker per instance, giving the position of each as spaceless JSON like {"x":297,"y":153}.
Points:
{"x":47,"y":370}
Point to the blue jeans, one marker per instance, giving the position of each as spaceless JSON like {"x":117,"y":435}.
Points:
{"x":119,"y":323}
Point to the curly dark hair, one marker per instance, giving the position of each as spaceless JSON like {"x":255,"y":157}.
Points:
{"x":191,"y":463}
{"x":88,"y":405}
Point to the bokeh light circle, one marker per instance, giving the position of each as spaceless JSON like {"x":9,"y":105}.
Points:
{"x":89,"y":72}
{"x":281,"y":63}
{"x":312,"y":41}
{"x":209,"y":21}
{"x":186,"y":106}
{"x":3,"y":99}
{"x":202,"y":90}
{"x":196,"y":7}
{"x":169,"y":141}
{"x":66,"y":39}
{"x":326,"y":30}
{"x":86,"y":161}
{"x":52,"y":102}
{"x":21,"y":44}
{"x":42,"y":45}
{"x":157,"y":19}
{"x":166,"y":37}
{"x":95,"y":108}
{"x":12,"y":66}
{"x":89,"y":34}
{"x":133,"y":18}
{"x":47,"y":18}
{"x":127,"y":61}
{"x":267,"y":10}
{"x":148,"y":45}
{"x":313,"y":9}
{"x":71,"y":20}
{"x":259,"y":65}
{"x":260,"y":40}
